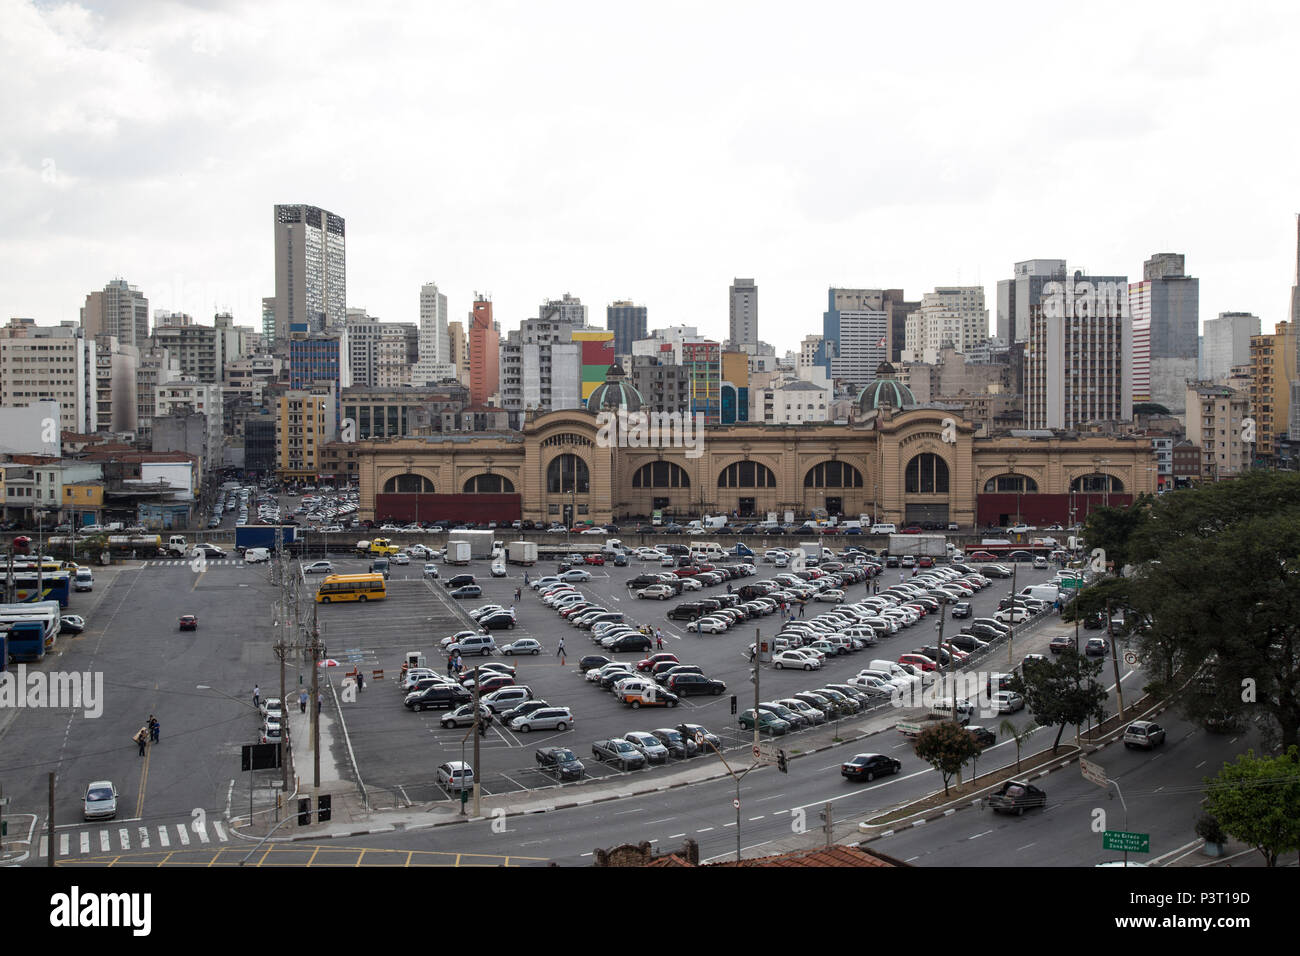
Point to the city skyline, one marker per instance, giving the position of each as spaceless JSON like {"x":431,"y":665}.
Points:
{"x":90,"y":194}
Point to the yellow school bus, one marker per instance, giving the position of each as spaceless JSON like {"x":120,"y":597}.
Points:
{"x":352,"y":587}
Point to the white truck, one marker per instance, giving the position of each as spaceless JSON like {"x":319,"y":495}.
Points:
{"x":480,"y":542}
{"x":521,"y":552}
{"x":458,"y":552}
{"x":176,"y":545}
{"x":812,"y":551}
{"x":929,"y":545}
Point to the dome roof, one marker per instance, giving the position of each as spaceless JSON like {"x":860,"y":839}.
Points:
{"x":614,"y":394}
{"x":885,"y":390}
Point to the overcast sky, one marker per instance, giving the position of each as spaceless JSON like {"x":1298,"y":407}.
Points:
{"x":650,"y":151}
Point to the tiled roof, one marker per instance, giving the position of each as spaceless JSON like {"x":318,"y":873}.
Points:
{"x":832,"y":856}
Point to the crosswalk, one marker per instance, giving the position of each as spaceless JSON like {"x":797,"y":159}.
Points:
{"x":177,"y":562}
{"x":128,"y":836}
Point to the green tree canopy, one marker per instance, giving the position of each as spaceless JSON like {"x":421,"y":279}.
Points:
{"x":1257,"y":801}
{"x":1062,"y":692}
{"x":946,"y":746}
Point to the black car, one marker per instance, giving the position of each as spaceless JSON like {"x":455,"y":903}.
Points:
{"x":1095,"y":621}
{"x":685,"y":612}
{"x":869,"y":766}
{"x":687,"y":685}
{"x":961,"y":609}
{"x":678,"y":745}
{"x":561,"y":762}
{"x":1062,"y":642}
{"x":593,"y":661}
{"x":632,"y":642}
{"x":459,"y":581}
{"x":697,"y":732}
{"x":966,"y":642}
{"x":497,"y":621}
{"x":644,"y":581}
{"x":1017,"y":796}
{"x":438,"y":696}
{"x":982,"y":736}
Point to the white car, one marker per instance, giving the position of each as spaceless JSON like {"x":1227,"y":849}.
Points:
{"x":690,"y":584}
{"x":401,"y":557}
{"x":576,"y":576}
{"x":272,"y":708}
{"x":708,"y":625}
{"x":319,"y":567}
{"x":831,"y":596}
{"x":101,"y":800}
{"x":1007,"y":702}
{"x":1012,"y":615}
{"x":793,"y":659}
{"x":658,"y":592}
{"x":430,"y":570}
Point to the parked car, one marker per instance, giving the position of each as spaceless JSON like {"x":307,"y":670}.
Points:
{"x":1143,"y":733}
{"x":619,"y":751}
{"x":455,"y":775}
{"x":677,"y":744}
{"x":544,"y":718}
{"x":72,"y":624}
{"x":650,"y":746}
{"x":869,"y":766}
{"x":525,"y":645}
{"x":463,"y":716}
{"x":101,"y":801}
{"x":1007,"y":702}
{"x":767,"y":722}
{"x":560,"y":762}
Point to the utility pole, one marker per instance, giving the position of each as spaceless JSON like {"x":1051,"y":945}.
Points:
{"x":1114,"y":659}
{"x":49,"y":856}
{"x":757,"y":665}
{"x":477,"y":737}
{"x":315,"y":699}
{"x":1015,"y":566}
{"x":828,"y":826}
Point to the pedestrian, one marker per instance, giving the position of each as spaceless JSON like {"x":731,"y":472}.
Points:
{"x":512,"y":610}
{"x":525,"y":579}
{"x":320,"y":702}
{"x":559,"y":651}
{"x":902,"y":576}
{"x":361,"y":681}
{"x":659,"y":639}
{"x":801,"y":609}
{"x":302,"y":702}
{"x":257,"y":696}
{"x":141,"y":737}
{"x":154,"y":729}
{"x":451,"y":665}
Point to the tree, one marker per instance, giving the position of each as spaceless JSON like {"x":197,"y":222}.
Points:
{"x":1019,"y":734}
{"x":1112,"y":530}
{"x":946,"y":746}
{"x":1063,"y":691}
{"x":1257,"y":800}
{"x":1149,"y":408}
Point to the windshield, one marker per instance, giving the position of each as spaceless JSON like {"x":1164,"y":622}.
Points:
{"x":99,"y":794}
{"x":564,"y":756}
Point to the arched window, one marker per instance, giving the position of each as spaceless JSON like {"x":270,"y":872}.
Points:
{"x":927,"y":474}
{"x":408,"y":485}
{"x":566,"y":438}
{"x":661,"y":474}
{"x":1022,"y":484}
{"x":567,"y":473}
{"x":1097,"y":484}
{"x":833,"y":474}
{"x":489,"y":485}
{"x":746,"y":474}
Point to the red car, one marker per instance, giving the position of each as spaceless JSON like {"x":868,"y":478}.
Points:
{"x":493,"y":682}
{"x":653,"y":659}
{"x":917,"y":660}
{"x":686,"y":572}
{"x":911,"y":529}
{"x":701,"y":568}
{"x":594,"y":559}
{"x":981,"y":556}
{"x":925,"y":561}
{"x":189,"y":623}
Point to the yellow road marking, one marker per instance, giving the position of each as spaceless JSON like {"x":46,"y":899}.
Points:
{"x":144,"y":779}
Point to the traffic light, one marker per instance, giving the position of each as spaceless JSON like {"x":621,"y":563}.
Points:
{"x":323,"y":808}
{"x":781,"y":763}
{"x":304,"y":811}
{"x":733,"y":703}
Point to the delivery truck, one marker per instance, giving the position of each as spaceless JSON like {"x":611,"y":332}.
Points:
{"x":262,"y":536}
{"x":32,"y":629}
{"x":521,"y":552}
{"x":928,"y":545}
{"x":480,"y":542}
{"x":458,"y":552}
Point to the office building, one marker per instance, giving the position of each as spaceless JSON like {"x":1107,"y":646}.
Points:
{"x":317,"y":361}
{"x":1227,"y":343}
{"x":856,"y":331}
{"x":310,"y":270}
{"x":628,"y":323}
{"x":433,"y":363}
{"x":157,"y":367}
{"x":1019,"y":294}
{"x":1273,"y":371}
{"x":664,"y":385}
{"x":948,"y":316}
{"x":458,"y":352}
{"x":484,"y":342}
{"x":743,"y":305}
{"x":1078,"y":360}
{"x":1165,"y":310}
{"x":119,"y":310}
{"x":193,"y":346}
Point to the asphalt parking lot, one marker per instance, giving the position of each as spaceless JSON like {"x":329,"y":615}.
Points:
{"x":397,"y":750}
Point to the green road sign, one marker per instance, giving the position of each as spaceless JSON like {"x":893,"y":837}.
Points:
{"x":1126,"y":842}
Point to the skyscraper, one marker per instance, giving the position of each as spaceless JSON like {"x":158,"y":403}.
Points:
{"x":1019,"y":294}
{"x":120,"y":310}
{"x":744,"y":313}
{"x":628,"y":323}
{"x":310,"y":270}
{"x":855,"y":335}
{"x":1295,"y":289}
{"x":484,"y":352}
{"x":950,"y":315}
{"x":1165,"y":308}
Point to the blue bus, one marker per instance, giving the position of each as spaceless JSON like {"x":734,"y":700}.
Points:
{"x":54,"y":586}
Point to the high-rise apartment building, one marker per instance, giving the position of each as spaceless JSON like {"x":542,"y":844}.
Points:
{"x":628,"y":323}
{"x":193,"y":346}
{"x":41,"y":364}
{"x":157,"y":367}
{"x":120,"y":310}
{"x":434,"y":362}
{"x":1215,"y":416}
{"x":303,"y":429}
{"x":1273,"y":370}
{"x":743,"y":306}
{"x":320,"y":361}
{"x":116,"y":398}
{"x":949,"y":316}
{"x":1165,"y":310}
{"x":310,"y":270}
{"x":186,"y":396}
{"x":1078,"y":361}
{"x":1295,"y":289}
{"x":458,"y":352}
{"x":1227,"y":343}
{"x":1019,"y":294}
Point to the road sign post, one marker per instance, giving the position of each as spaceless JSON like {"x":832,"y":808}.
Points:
{"x":1126,"y":841}
{"x":1093,"y":772}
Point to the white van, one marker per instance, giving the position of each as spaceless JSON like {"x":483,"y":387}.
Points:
{"x":1042,"y":592}
{"x":83,"y":580}
{"x":254,"y":555}
{"x":884,"y":529}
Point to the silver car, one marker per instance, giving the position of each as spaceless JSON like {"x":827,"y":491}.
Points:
{"x":545,"y":718}
{"x":651,"y":747}
{"x":101,"y":800}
